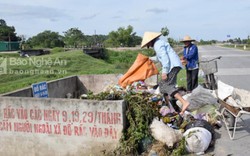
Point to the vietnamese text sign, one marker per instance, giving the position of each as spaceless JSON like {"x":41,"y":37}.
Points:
{"x":59,"y":125}
{"x":40,"y":90}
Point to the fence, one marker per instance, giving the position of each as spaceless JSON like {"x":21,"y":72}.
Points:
{"x":9,"y":46}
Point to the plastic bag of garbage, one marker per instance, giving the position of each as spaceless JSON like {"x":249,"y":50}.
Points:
{"x":198,"y":98}
{"x":208,"y":113}
{"x":164,"y":110}
{"x":201,"y":123}
{"x":164,"y":133}
{"x":197,"y":140}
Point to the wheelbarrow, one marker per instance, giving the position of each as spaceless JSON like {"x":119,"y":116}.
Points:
{"x":234,"y":103}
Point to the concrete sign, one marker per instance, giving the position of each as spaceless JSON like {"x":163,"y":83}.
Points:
{"x":41,"y":126}
{"x":40,"y":90}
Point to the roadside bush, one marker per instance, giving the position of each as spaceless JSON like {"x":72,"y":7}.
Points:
{"x":56,"y":50}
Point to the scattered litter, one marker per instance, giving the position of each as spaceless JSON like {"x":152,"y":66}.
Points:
{"x":149,"y":116}
{"x":164,"y":133}
{"x":198,"y":98}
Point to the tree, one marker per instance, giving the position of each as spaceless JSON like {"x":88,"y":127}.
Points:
{"x":112,"y":40}
{"x":74,"y":37}
{"x":46,"y":39}
{"x":96,"y":40}
{"x":124,"y":37}
{"x":171,"y":41}
{"x":248,"y":40}
{"x":165,"y":31}
{"x":7,"y":33}
{"x":2,"y":22}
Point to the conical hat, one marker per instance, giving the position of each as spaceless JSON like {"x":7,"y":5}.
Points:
{"x":148,"y":37}
{"x":187,"y":38}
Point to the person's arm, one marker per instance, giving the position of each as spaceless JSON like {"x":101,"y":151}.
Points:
{"x":164,"y":59}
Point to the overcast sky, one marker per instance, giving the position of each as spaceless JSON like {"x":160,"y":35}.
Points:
{"x":201,"y":19}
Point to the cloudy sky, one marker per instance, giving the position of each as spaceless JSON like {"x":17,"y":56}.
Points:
{"x":201,"y":19}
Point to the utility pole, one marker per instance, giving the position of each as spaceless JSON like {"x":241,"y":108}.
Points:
{"x":95,"y":38}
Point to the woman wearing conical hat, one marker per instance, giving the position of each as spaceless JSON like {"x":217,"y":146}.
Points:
{"x":171,"y":65}
{"x":190,"y":55}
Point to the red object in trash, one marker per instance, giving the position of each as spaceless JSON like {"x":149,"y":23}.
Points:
{"x":141,"y":69}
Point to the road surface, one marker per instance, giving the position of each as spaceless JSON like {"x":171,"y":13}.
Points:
{"x":233,"y":69}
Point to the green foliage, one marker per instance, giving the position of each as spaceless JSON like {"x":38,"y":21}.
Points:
{"x":95,"y":40}
{"x":182,"y":79}
{"x":46,"y":39}
{"x":172,"y":42}
{"x":57,"y":49}
{"x":164,"y":31}
{"x":123,"y":60}
{"x":121,"y":57}
{"x":2,"y":22}
{"x":247,"y":41}
{"x":140,"y":113}
{"x":180,"y":149}
{"x":74,"y":37}
{"x":124,"y":37}
{"x":202,"y":42}
{"x":112,"y":40}
{"x":104,"y":96}
{"x":76,"y":63}
{"x":7,"y":33}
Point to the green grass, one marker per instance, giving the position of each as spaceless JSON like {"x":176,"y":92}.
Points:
{"x":182,"y":79}
{"x":23,"y":72}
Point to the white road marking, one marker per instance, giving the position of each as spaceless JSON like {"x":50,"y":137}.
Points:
{"x":233,"y":71}
{"x":230,"y":55}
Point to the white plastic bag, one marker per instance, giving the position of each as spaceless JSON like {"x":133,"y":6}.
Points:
{"x":197,"y":140}
{"x":198,"y":98}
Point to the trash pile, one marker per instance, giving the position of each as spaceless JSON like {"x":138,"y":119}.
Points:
{"x":155,"y":127}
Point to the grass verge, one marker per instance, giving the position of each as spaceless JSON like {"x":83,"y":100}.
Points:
{"x":23,"y":72}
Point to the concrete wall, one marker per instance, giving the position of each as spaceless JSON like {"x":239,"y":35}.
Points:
{"x":77,"y":85}
{"x":62,"y":127}
{"x":59,"y":127}
{"x":56,"y":88}
{"x":97,"y":83}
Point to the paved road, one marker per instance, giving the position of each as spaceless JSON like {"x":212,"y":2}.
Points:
{"x":234,"y":69}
